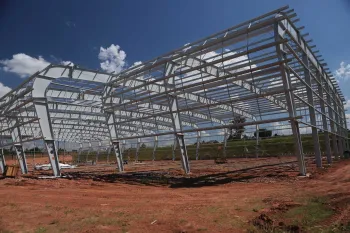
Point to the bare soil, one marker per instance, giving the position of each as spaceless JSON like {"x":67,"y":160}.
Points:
{"x":238,"y":196}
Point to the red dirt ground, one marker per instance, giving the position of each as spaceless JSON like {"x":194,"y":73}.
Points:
{"x":157,"y":197}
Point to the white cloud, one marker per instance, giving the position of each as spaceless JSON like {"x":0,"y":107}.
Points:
{"x":136,"y":63}
{"x":347,"y":105}
{"x":347,"y":116}
{"x":66,"y":63}
{"x":343,"y":73}
{"x":23,"y":65}
{"x":4,"y":89}
{"x":113,"y":58}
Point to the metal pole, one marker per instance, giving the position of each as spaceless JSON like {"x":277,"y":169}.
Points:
{"x":310,"y":98}
{"x":279,"y":34}
{"x":225,"y":142}
{"x":137,"y":149}
{"x":257,"y":146}
{"x":2,"y":161}
{"x":183,"y":150}
{"x":119,"y":156}
{"x":198,"y":144}
{"x":324,"y":120}
{"x":174,"y":148}
{"x":155,"y":148}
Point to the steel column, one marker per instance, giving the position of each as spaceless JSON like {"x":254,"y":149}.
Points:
{"x":257,"y":146}
{"x":155,"y":148}
{"x":198,"y":144}
{"x":42,"y":110}
{"x":21,"y":157}
{"x":310,"y":98}
{"x":137,"y":149}
{"x":183,"y":150}
{"x":111,"y":121}
{"x":119,"y":156}
{"x":331,"y":123}
{"x":286,"y":80}
{"x":225,"y":141}
{"x":2,"y":161}
{"x":174,"y":148}
{"x":339,"y":131}
{"x":324,"y":120}
{"x":88,"y":153}
{"x":175,"y":116}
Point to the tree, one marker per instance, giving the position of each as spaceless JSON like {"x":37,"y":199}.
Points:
{"x":143,"y":145}
{"x":236,"y":131}
{"x":264,"y":133}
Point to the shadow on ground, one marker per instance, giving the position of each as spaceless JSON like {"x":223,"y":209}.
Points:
{"x":165,"y":178}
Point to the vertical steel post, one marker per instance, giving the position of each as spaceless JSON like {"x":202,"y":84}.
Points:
{"x":345,"y":129}
{"x":198,"y":144}
{"x":338,"y":123}
{"x":183,"y":150}
{"x":279,"y":35}
{"x":137,"y":149}
{"x":174,"y":148}
{"x":257,"y":146}
{"x":21,"y":157}
{"x":312,"y":113}
{"x":42,"y":110}
{"x":324,"y":119}
{"x":155,"y":147}
{"x":98,"y":151}
{"x":175,"y":115}
{"x":331,"y":123}
{"x":80,"y":151}
{"x":111,"y":122}
{"x":88,"y":153}
{"x":225,"y":141}
{"x":2,"y":161}
{"x":119,"y":156}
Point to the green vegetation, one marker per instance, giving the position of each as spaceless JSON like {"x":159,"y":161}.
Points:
{"x":308,"y":215}
{"x":271,"y":146}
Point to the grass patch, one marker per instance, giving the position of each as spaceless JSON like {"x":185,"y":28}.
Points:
{"x":314,"y":211}
{"x":40,"y":230}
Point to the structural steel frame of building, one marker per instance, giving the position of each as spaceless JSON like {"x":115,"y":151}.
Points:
{"x":263,"y":70}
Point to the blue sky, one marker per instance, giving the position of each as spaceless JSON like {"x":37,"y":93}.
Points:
{"x":34,"y":33}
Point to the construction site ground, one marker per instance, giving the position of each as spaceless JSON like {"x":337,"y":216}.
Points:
{"x":242,"y":195}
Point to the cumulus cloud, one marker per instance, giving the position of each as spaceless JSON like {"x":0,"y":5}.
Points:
{"x":23,"y":65}
{"x":4,"y":89}
{"x":112,"y":58}
{"x":343,"y":73}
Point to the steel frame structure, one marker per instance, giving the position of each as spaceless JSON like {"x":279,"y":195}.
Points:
{"x":264,"y":70}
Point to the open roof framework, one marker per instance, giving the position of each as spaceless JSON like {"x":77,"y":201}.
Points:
{"x":264,"y":70}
